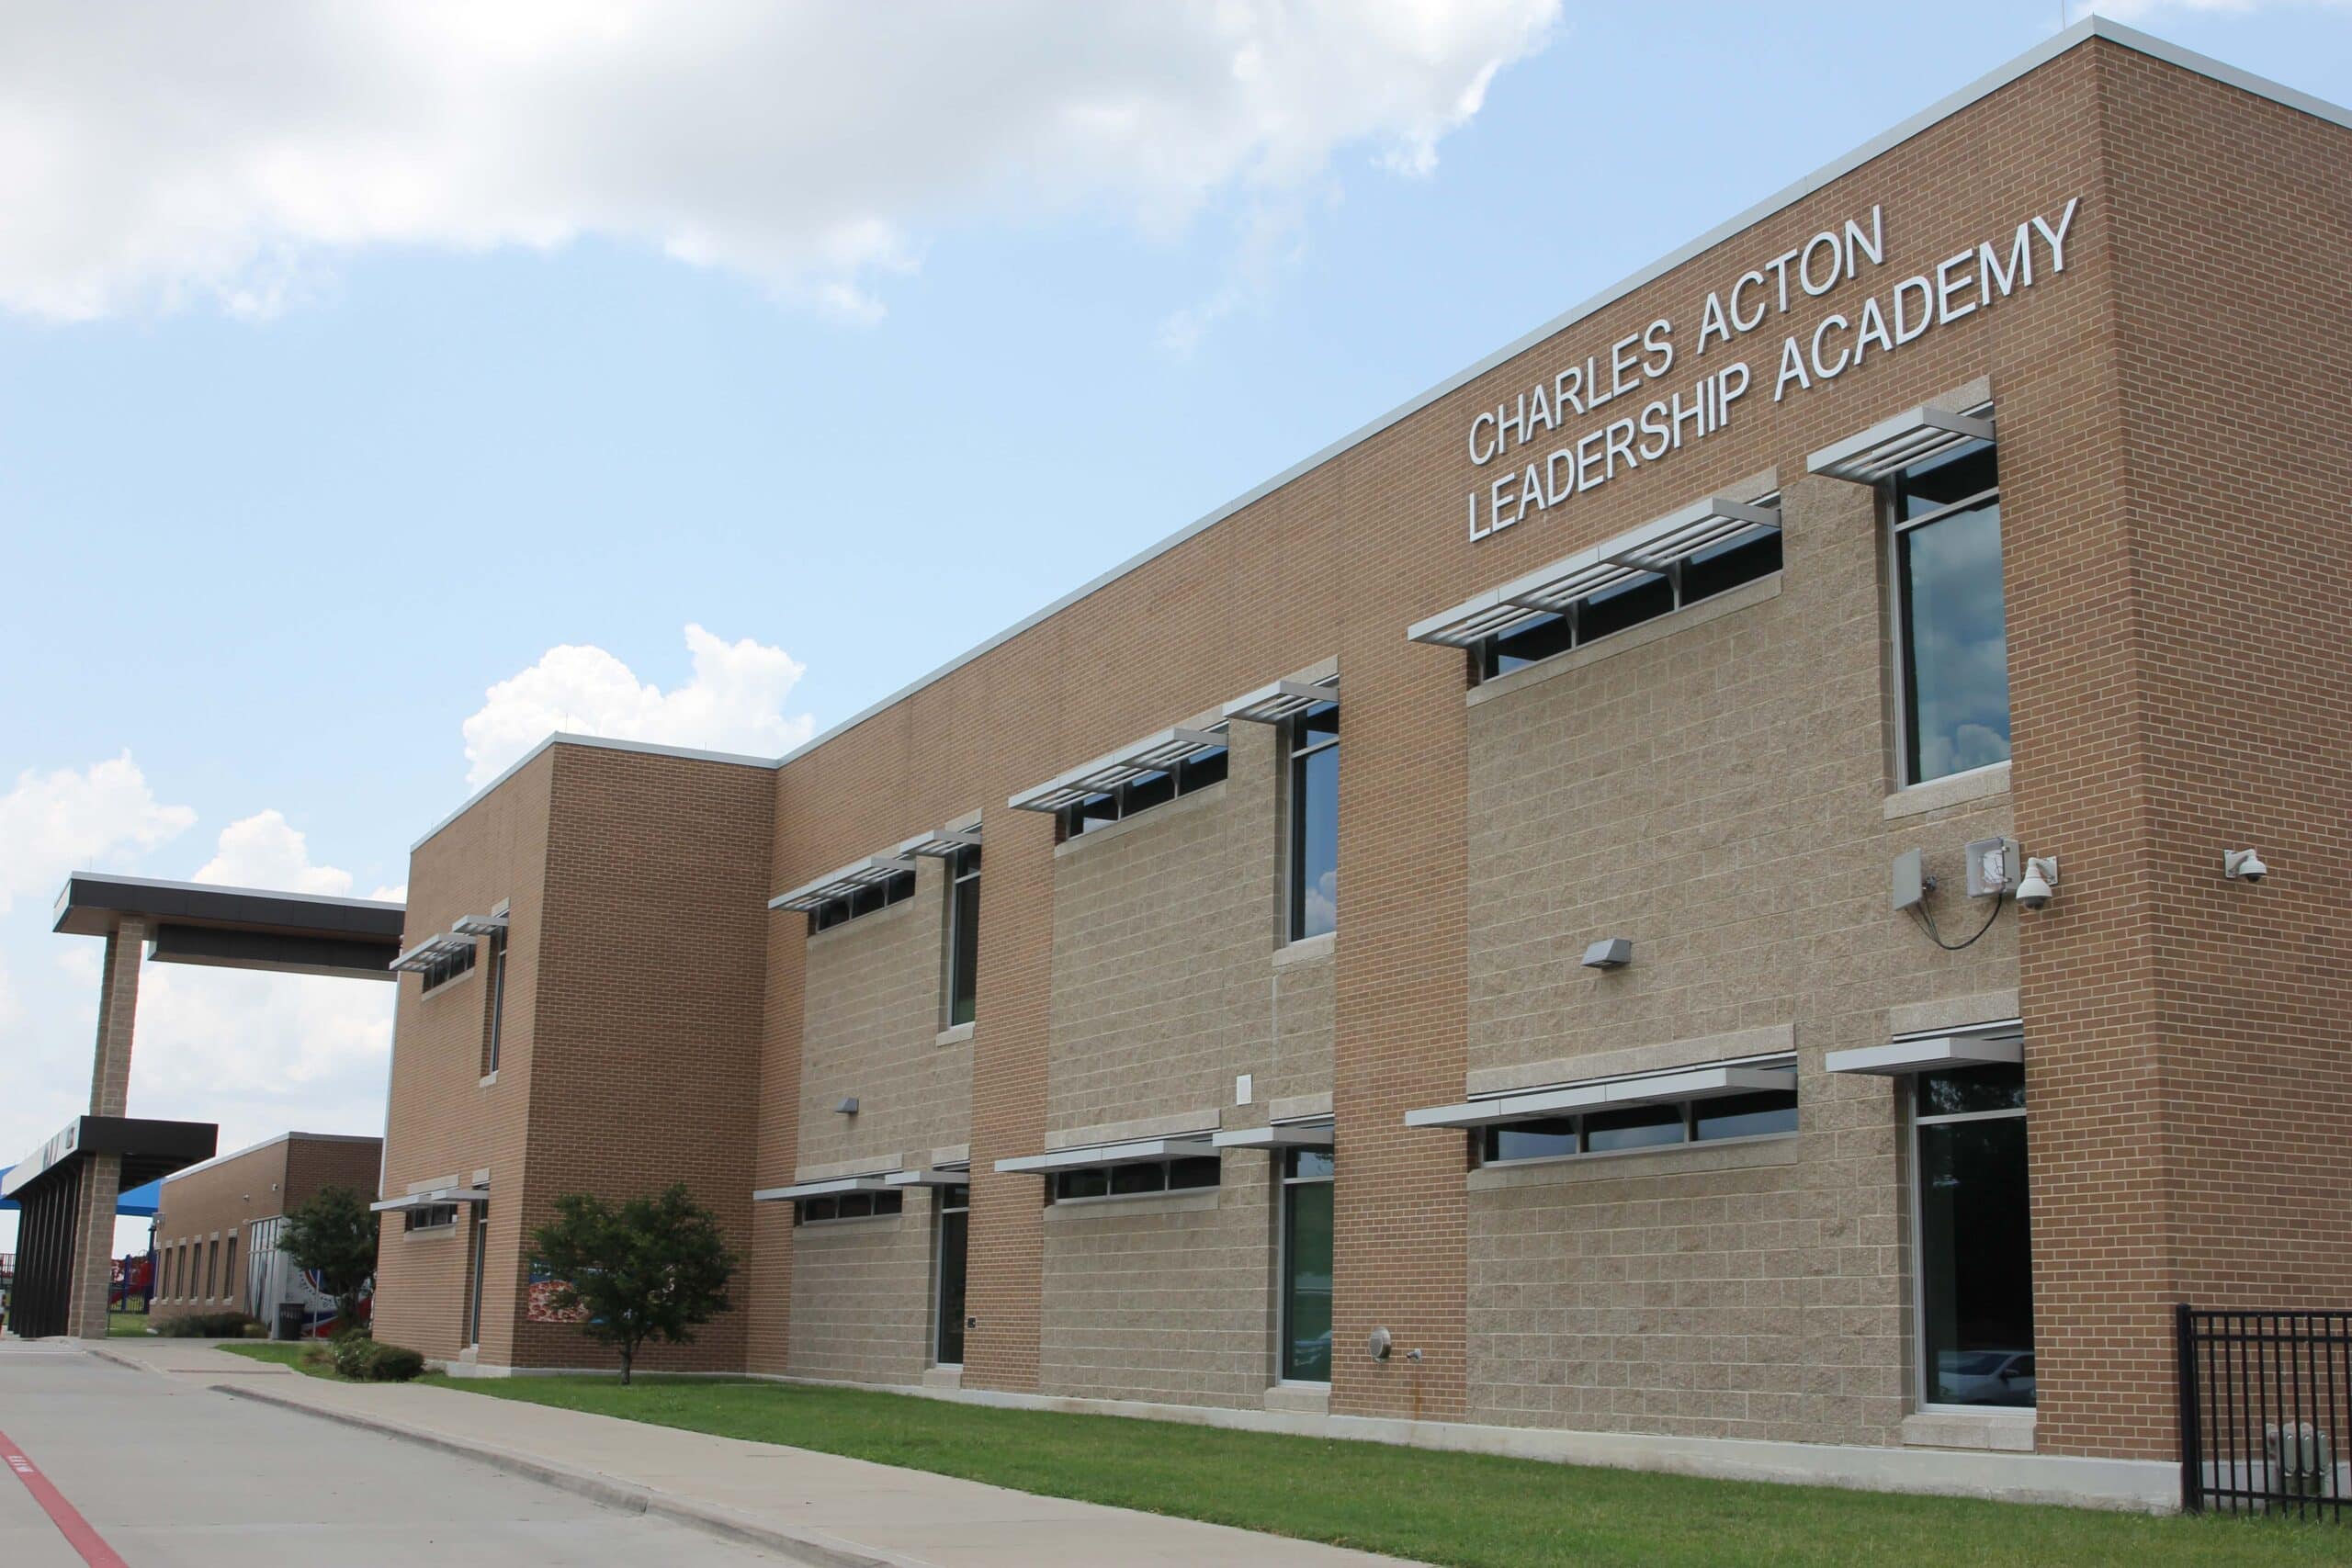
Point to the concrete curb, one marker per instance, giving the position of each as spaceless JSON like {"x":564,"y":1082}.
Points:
{"x":266,"y":1369}
{"x":627,"y":1496}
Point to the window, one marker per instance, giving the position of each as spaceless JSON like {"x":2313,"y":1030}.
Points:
{"x":1952,"y":640}
{"x":847,"y":1206}
{"x":1306,"y":1265}
{"x":1715,"y":569}
{"x":495,"y":1002}
{"x":449,"y":966}
{"x":431,"y":1217}
{"x":963,"y":935}
{"x":954,"y":1225}
{"x":476,"y":1266}
{"x":229,"y":1267}
{"x":896,"y":889}
{"x":212,"y":1267}
{"x":1313,"y":821}
{"x":1756,"y":1115}
{"x":1136,"y":1180}
{"x":1975,"y":1247}
{"x":1141,"y":793}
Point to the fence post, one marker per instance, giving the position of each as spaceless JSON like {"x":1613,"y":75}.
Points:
{"x":2192,"y":1436}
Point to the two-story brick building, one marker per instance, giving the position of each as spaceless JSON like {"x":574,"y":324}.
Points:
{"x":1759,"y":982}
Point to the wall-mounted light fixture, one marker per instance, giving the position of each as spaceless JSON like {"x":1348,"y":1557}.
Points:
{"x":847,"y":1106}
{"x":1609,"y":952}
{"x":2242,"y":865}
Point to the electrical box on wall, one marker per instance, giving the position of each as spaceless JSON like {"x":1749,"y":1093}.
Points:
{"x":1910,"y":879}
{"x":1994,"y":867}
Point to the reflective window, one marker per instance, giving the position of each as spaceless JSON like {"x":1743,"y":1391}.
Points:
{"x":1952,"y":618}
{"x":1974,"y":1238}
{"x":848,"y":1206}
{"x":1139,"y":1179}
{"x":954,"y":1224}
{"x":1766,"y":1115}
{"x":1722,"y":566}
{"x":496,"y":1003}
{"x":963,"y":935}
{"x":449,"y":966}
{"x":895,"y":889}
{"x":1315,"y":821}
{"x":1141,"y":793}
{"x":1306,"y":1266}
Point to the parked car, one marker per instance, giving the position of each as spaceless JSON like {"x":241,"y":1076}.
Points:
{"x":1985,"y":1377}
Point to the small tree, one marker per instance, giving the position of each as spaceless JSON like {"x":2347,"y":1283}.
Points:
{"x":333,"y":1234}
{"x":653,"y":1266}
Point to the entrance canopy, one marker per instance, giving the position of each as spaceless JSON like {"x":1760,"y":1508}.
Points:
{"x":239,"y":928}
{"x":138,"y":1204}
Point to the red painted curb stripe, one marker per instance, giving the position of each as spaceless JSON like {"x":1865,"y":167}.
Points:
{"x":62,"y":1514}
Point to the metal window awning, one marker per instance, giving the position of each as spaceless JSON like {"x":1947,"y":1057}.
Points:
{"x":432,"y":950}
{"x":877,"y":1183}
{"x":1281,"y":1135}
{"x":1152,"y":754}
{"x":930,"y":1176}
{"x":479,"y":925}
{"x":1599,"y":1094}
{"x":432,"y":1199}
{"x":944,"y":842}
{"x":1647,"y":551}
{"x":847,"y":880}
{"x":1984,"y":1045}
{"x":1281,"y":700}
{"x":1141,"y":1151}
{"x":1893,"y":444}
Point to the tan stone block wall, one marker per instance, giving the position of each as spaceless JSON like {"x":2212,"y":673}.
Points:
{"x":862,"y":1294}
{"x":1167,"y":1299}
{"x":873,"y":1017}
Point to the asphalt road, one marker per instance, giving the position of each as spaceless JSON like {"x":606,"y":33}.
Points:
{"x":167,"y":1475}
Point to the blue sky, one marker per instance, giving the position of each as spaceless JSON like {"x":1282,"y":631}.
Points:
{"x":287,"y":488}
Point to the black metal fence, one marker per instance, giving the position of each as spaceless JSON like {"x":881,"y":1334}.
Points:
{"x":2265,"y":1402}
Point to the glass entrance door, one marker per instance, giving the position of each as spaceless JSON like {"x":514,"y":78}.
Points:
{"x":953,"y":1226}
{"x":1975,"y":1244}
{"x":1306,"y":1266}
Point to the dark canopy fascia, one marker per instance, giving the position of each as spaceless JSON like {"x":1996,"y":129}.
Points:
{"x":239,"y":928}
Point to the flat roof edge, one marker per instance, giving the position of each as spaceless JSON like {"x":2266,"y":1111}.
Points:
{"x":1943,"y":109}
{"x":602,"y":744}
{"x":120,"y":880}
{"x":272,"y":1143}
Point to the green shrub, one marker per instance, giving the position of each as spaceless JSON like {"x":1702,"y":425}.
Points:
{"x":209,"y":1325}
{"x":362,"y":1359}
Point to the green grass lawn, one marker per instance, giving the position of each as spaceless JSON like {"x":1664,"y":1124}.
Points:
{"x":125,"y":1325}
{"x":285,"y":1354}
{"x":1469,"y":1509}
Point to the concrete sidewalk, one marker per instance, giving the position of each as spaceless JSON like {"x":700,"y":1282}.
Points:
{"x":810,"y":1507}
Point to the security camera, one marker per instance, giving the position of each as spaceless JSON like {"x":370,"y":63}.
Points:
{"x":2242,"y":865}
{"x":2041,"y":877}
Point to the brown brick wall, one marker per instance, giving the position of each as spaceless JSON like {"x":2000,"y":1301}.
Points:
{"x":224,"y":1197}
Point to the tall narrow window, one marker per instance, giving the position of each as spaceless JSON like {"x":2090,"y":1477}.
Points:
{"x":1315,"y":821}
{"x":963,"y":934}
{"x":496,"y":1003}
{"x":229,"y":1270}
{"x":475,"y":1267}
{"x":211,"y":1268}
{"x":1306,"y":1265}
{"x":955,"y":1234}
{"x":1953,"y":643}
{"x":1975,"y":1241}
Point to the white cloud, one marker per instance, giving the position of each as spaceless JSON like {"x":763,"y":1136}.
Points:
{"x":54,"y":823}
{"x":734,"y":703}
{"x":155,"y":155}
{"x":265,"y":851}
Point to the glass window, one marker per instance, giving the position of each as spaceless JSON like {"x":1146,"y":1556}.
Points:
{"x":1963,"y":1092}
{"x":1091,"y":1182}
{"x":1953,"y":627}
{"x":1200,"y":1170}
{"x":963,"y":935}
{"x":1147,"y":790}
{"x":1199,"y":772}
{"x":1544,"y":1139}
{"x":1142,"y":792}
{"x":1128,"y":1179}
{"x":1306,"y":1266}
{"x":955,"y":1222}
{"x":1627,"y":604}
{"x":1729,"y":564}
{"x":895,"y":889}
{"x":1315,"y":821}
{"x":476,"y":1266}
{"x":496,"y":1003}
{"x":1744,"y":1116}
{"x":1636,"y":1127}
{"x":1539,"y":639}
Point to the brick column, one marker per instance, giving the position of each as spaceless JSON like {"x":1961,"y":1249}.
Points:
{"x":110,"y":1093}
